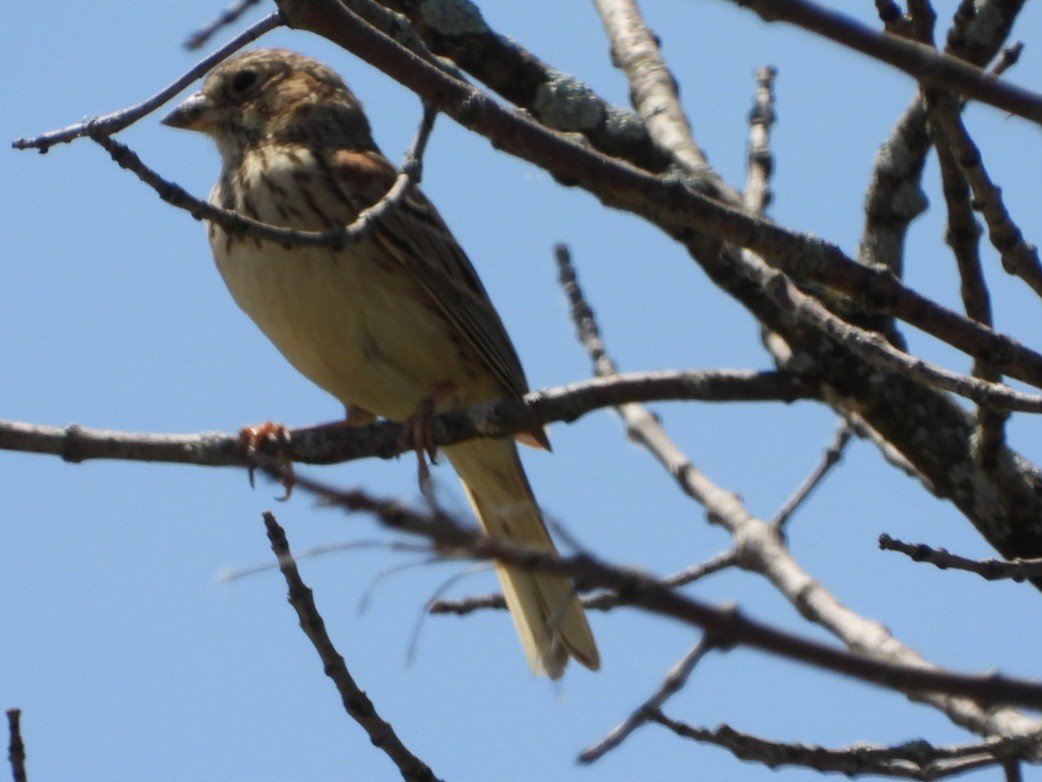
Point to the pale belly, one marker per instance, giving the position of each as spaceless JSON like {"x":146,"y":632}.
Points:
{"x":362,"y":334}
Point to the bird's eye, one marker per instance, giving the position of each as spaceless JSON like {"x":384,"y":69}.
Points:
{"x":242,"y":81}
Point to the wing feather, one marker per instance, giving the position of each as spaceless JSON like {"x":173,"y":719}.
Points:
{"x":416,"y":236}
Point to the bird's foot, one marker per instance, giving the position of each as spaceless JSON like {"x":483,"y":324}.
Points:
{"x":418,"y":432}
{"x":271,"y":439}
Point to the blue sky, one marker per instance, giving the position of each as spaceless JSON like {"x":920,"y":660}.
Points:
{"x":131,"y":661}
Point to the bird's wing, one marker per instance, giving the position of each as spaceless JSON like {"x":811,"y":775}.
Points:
{"x":414,"y":234}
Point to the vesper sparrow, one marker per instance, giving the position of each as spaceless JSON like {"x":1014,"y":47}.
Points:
{"x":386,"y":324}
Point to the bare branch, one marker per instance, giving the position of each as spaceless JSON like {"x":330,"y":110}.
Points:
{"x":1018,"y":257}
{"x":675,"y":680}
{"x":15,"y":745}
{"x":921,"y":62}
{"x":923,"y":19}
{"x":979,"y":28}
{"x":356,"y":702}
{"x":1008,"y":57}
{"x":894,"y":196}
{"x":330,"y":445}
{"x":892,"y":17}
{"x":727,"y":626}
{"x":653,"y":92}
{"x":227,"y":17}
{"x":557,"y":99}
{"x":962,"y":235}
{"x":831,"y":457}
{"x":757,"y":194}
{"x":236,"y":222}
{"x":1018,"y":570}
{"x":601,"y":601}
{"x":913,"y":760}
{"x":875,"y":350}
{"x":604,"y":601}
{"x":760,"y":548}
{"x":117,"y":120}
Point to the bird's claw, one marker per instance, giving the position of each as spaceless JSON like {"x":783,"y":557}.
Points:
{"x":418,"y":433}
{"x":269,"y":438}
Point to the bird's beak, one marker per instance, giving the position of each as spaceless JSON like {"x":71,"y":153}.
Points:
{"x":196,"y":112}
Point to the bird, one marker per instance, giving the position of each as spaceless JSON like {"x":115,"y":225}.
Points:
{"x":388,"y":325}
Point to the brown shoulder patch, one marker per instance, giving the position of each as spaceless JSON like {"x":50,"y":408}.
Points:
{"x":367,"y":173}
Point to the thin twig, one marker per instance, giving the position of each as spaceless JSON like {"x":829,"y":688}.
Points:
{"x":963,"y":236}
{"x":980,"y":28}
{"x":831,"y":457}
{"x":760,"y":161}
{"x":15,"y":745}
{"x":227,"y":17}
{"x":1007,"y":58}
{"x":893,"y":18}
{"x":1011,"y":770}
{"x":1019,"y":258}
{"x":727,"y":559}
{"x":586,"y":328}
{"x":600,"y":601}
{"x":1018,"y":570}
{"x":112,"y":123}
{"x":912,"y":760}
{"x":673,"y":682}
{"x":356,"y":702}
{"x":923,"y":20}
{"x":234,"y":574}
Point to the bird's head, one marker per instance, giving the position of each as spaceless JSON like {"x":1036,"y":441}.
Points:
{"x":273,"y":96}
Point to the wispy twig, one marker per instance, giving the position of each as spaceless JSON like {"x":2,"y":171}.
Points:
{"x":117,"y":120}
{"x":228,"y":16}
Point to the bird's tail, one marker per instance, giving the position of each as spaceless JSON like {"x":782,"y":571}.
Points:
{"x":548,"y":617}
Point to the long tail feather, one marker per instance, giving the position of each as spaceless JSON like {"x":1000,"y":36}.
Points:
{"x":549,"y":619}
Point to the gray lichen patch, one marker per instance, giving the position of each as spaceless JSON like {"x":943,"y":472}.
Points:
{"x":453,"y":17}
{"x":565,"y":103}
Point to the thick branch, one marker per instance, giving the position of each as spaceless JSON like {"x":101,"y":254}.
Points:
{"x":558,"y":100}
{"x":667,"y":202}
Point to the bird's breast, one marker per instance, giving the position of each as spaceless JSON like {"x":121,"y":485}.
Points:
{"x":351,"y":320}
